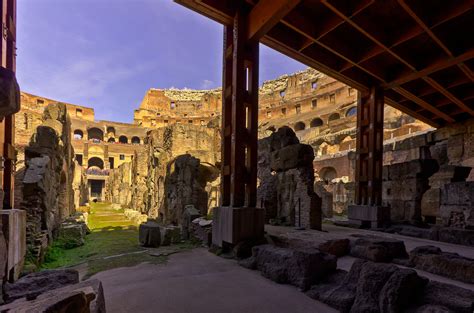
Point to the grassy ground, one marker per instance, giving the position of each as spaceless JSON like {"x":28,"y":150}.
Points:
{"x":113,"y":243}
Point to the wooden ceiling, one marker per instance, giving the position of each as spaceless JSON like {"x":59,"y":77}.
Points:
{"x":420,"y":51}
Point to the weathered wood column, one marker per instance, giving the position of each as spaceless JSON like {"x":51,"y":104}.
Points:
{"x":237,"y":218}
{"x":368,"y":210}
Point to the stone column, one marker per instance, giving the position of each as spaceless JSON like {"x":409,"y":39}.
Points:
{"x":237,"y":218}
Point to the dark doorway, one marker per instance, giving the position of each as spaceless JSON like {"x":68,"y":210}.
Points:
{"x":96,"y":189}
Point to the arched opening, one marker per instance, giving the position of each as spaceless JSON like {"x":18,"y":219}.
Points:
{"x":333,"y":117}
{"x":135,"y":140}
{"x":95,"y":162}
{"x":111,"y":139}
{"x":316,"y":122}
{"x":111,"y":130}
{"x":78,"y":134}
{"x":300,"y":126}
{"x":351,"y":112}
{"x":123,"y":139}
{"x":95,"y":134}
{"x":327,"y":174}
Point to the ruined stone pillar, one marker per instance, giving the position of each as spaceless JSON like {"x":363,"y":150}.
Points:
{"x":368,"y":210}
{"x":237,"y":218}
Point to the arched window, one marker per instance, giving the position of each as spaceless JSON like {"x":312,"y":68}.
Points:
{"x":95,"y":162}
{"x":111,"y":139}
{"x":316,"y":122}
{"x":135,"y":140}
{"x":351,"y":112}
{"x":333,"y":117}
{"x":123,"y":139}
{"x":78,"y":134}
{"x":327,"y":174}
{"x":95,"y":134}
{"x":300,"y":126}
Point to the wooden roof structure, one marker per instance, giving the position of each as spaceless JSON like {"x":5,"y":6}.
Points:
{"x":420,"y":52}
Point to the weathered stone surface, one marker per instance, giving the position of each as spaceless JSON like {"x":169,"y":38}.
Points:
{"x":456,"y":236}
{"x":170,"y":235}
{"x":71,"y":235}
{"x":287,"y":195}
{"x":451,"y":265}
{"x":457,"y":299}
{"x":87,"y":296}
{"x":377,"y":249}
{"x":428,"y":308}
{"x":298,"y":267}
{"x":149,"y":234}
{"x":402,"y":289}
{"x":35,"y":284}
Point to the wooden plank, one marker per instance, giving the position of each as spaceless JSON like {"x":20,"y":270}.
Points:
{"x":448,"y":95}
{"x":265,"y":15}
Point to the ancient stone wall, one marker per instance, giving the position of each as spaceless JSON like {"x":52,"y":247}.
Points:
{"x":46,"y":183}
{"x":429,"y":177}
{"x":286,"y":181}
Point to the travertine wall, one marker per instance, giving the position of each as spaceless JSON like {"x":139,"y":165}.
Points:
{"x":429,"y":177}
{"x":46,"y":183}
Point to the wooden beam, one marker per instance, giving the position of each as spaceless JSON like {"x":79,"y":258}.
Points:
{"x":221,"y":11}
{"x":422,"y":103}
{"x":265,"y":15}
{"x":435,"y":67}
{"x":448,"y":95}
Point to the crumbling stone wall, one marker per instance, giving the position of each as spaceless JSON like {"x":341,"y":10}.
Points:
{"x":287,"y":189}
{"x":429,"y":177}
{"x":46,"y":183}
{"x":140,"y":184}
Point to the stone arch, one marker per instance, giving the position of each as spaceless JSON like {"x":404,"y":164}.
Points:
{"x":327,"y":174}
{"x":300,"y":126}
{"x":78,"y":134}
{"x":95,"y":162}
{"x":111,"y":130}
{"x":316,"y":122}
{"x":95,"y":133}
{"x":136,"y":140}
{"x":123,"y":139}
{"x":111,"y":139}
{"x":333,"y":117}
{"x":351,"y":112}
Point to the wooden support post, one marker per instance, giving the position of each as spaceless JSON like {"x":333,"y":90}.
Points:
{"x":237,"y":218}
{"x":368,"y":208}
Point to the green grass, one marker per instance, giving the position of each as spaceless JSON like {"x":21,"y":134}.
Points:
{"x":113,"y":243}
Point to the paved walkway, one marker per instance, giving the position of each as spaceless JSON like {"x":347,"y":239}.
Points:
{"x":197,"y":281}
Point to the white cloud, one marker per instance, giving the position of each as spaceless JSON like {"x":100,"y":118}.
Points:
{"x":207,"y":84}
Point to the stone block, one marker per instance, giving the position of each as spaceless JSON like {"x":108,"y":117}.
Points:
{"x":293,"y":156}
{"x":454,"y":298}
{"x":456,"y":235}
{"x":373,"y":216}
{"x":377,"y":249}
{"x":430,"y":202}
{"x":71,"y":235}
{"x":432,"y":259}
{"x":149,"y":234}
{"x":233,"y":225}
{"x":87,"y":296}
{"x":298,"y":267}
{"x":170,"y":235}
{"x":34,"y":284}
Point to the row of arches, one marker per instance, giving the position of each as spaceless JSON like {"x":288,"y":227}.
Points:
{"x":97,"y":134}
{"x":317,"y":122}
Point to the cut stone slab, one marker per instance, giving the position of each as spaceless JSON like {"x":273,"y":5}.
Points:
{"x":298,"y":267}
{"x":377,"y":249}
{"x":170,"y":235}
{"x":87,"y":296}
{"x":71,"y":235}
{"x":35,"y":284}
{"x":452,"y":265}
{"x":149,"y":234}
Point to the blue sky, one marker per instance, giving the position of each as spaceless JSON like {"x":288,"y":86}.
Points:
{"x":106,"y":53}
